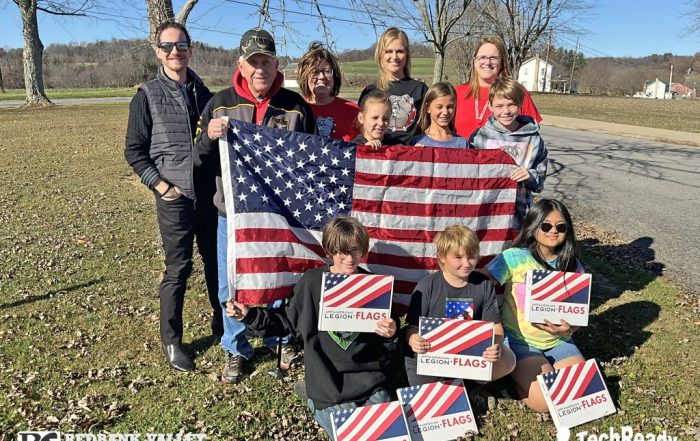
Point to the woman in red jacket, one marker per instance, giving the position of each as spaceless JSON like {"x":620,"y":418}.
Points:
{"x":490,"y":61}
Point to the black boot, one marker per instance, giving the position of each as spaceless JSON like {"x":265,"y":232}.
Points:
{"x":177,"y":358}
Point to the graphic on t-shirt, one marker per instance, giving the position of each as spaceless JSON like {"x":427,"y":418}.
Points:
{"x":325,"y":125}
{"x":520,"y":151}
{"x":403,"y":112}
{"x":344,"y":339}
{"x":279,"y":122}
{"x":459,"y":308}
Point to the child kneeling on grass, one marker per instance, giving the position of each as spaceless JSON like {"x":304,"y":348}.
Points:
{"x":343,"y":370}
{"x":457,"y":250}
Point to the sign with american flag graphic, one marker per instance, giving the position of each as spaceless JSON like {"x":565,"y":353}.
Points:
{"x":281,"y":188}
{"x":355,"y":302}
{"x":456,"y":348}
{"x":437,"y":411}
{"x":556,"y":295}
{"x":376,"y":422}
{"x":576,"y":394}
{"x":459,"y":308}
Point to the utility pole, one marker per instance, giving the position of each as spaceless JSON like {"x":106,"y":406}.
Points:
{"x":573,"y":66}
{"x":670,"y":81}
{"x":546,"y":64}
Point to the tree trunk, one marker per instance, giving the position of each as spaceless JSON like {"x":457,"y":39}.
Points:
{"x":2,"y":83}
{"x":439,"y":67}
{"x":158,"y":12}
{"x":32,"y":56}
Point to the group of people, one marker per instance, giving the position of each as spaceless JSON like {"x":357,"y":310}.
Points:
{"x":172,"y":144}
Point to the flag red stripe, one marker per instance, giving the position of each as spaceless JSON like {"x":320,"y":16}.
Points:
{"x":486,"y":335}
{"x":348,"y":287}
{"x":432,"y":210}
{"x":377,"y":292}
{"x":445,"y":329}
{"x":391,"y":419}
{"x":432,"y":182}
{"x":573,"y":374}
{"x":275,"y":235}
{"x":436,"y":155}
{"x":253,"y":296}
{"x":454,"y":396}
{"x":427,"y":406}
{"x":405,"y":235}
{"x":592,"y":371}
{"x":275,"y":264}
{"x":359,"y":420}
{"x":467,"y":326}
{"x":556,"y":278}
{"x":409,"y":262}
{"x":571,"y":291}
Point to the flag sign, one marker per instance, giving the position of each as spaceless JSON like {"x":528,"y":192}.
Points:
{"x":282,"y":187}
{"x":437,"y":411}
{"x":383,"y":422}
{"x":576,"y":394}
{"x":354,"y":303}
{"x":556,"y":295}
{"x":456,"y":348}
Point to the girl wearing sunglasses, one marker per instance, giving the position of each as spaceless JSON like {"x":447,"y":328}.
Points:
{"x":547,"y":241}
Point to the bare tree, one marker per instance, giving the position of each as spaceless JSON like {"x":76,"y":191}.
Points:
{"x":693,"y":14}
{"x":521,"y":23}
{"x":33,"y":48}
{"x":162,"y":10}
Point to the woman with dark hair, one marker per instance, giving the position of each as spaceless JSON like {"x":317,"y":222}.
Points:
{"x":546,"y":242}
{"x":319,"y":77}
{"x":490,"y":62}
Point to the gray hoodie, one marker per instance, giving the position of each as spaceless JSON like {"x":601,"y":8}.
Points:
{"x":525,"y":146}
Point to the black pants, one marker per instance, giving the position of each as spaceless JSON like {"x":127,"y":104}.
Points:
{"x":180,"y":221}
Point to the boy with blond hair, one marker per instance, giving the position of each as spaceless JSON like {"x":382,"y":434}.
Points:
{"x":456,"y":291}
{"x":519,"y":136}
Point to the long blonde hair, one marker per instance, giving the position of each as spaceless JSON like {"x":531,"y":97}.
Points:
{"x":505,"y":70}
{"x":391,"y":34}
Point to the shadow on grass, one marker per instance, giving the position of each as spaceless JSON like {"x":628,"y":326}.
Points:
{"x":49,"y":294}
{"x":630,"y":266}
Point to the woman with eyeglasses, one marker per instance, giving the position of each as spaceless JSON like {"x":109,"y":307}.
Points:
{"x":490,"y":62}
{"x":546,"y":242}
{"x":319,"y":77}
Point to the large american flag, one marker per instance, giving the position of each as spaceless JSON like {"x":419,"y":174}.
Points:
{"x":558,"y":286}
{"x":573,"y":382}
{"x":369,"y":423}
{"x":281,"y":187}
{"x":357,"y":291}
{"x":456,"y":336}
{"x":434,"y":399}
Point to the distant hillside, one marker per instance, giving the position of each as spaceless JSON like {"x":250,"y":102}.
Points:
{"x":126,"y":63}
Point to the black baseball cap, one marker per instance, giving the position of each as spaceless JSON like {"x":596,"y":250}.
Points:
{"x":257,"y":41}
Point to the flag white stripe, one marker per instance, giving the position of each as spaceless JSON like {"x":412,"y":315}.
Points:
{"x":361,"y":425}
{"x":435,"y":169}
{"x":478,"y":330}
{"x":266,"y":280}
{"x":564,"y":286}
{"x":274,"y":220}
{"x":422,"y":223}
{"x":375,"y":287}
{"x":276,"y":249}
{"x":566,"y":379}
{"x":423,"y":196}
{"x":579,"y":381}
{"x":424,"y":397}
{"x":546,"y":279}
{"x":356,"y":291}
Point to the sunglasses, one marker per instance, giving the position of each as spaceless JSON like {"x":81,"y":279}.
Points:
{"x":545,"y":227}
{"x":167,"y":47}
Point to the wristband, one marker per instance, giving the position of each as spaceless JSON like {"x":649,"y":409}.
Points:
{"x":170,"y":187}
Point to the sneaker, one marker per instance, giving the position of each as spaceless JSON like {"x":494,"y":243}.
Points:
{"x":231,"y":373}
{"x":290,"y":356}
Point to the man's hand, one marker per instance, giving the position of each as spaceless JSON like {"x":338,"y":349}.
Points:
{"x":217,"y":128}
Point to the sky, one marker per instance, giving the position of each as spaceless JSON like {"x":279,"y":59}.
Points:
{"x":616,"y":28}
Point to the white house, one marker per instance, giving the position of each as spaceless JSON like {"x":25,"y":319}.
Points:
{"x":656,"y":89}
{"x":536,"y":75}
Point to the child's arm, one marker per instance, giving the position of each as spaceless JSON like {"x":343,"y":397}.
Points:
{"x":562,"y":330}
{"x":273,"y":322}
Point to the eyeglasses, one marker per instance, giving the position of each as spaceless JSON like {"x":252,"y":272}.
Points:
{"x":545,"y":227}
{"x":327,"y":73}
{"x":483,"y":58}
{"x":167,"y":47}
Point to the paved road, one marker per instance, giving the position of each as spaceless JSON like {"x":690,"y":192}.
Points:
{"x":67,"y":101}
{"x":648,"y":192}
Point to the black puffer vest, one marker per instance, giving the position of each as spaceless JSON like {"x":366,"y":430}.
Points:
{"x":171,"y":135}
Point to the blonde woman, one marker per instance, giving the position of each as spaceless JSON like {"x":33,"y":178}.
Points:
{"x":393,"y":56}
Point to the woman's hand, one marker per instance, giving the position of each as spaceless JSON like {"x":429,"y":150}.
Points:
{"x":375,"y":143}
{"x":217,"y":128}
{"x":418,"y":344}
{"x":492,"y":353}
{"x":563,"y":330}
{"x":386,"y":328}
{"x":520,"y":174}
{"x":236,"y":310}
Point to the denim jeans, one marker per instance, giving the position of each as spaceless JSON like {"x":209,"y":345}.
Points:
{"x":323,"y":416}
{"x":234,"y":339}
{"x":179,"y":222}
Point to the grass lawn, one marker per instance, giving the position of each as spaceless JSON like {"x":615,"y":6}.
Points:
{"x":80,"y":258}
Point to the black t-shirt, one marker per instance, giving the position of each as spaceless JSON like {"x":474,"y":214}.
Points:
{"x":406,"y":97}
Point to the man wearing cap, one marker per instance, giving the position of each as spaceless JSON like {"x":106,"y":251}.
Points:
{"x":256,"y":96}
{"x":162,"y":120}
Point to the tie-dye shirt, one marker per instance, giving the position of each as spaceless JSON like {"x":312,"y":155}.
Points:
{"x":510,"y":268}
